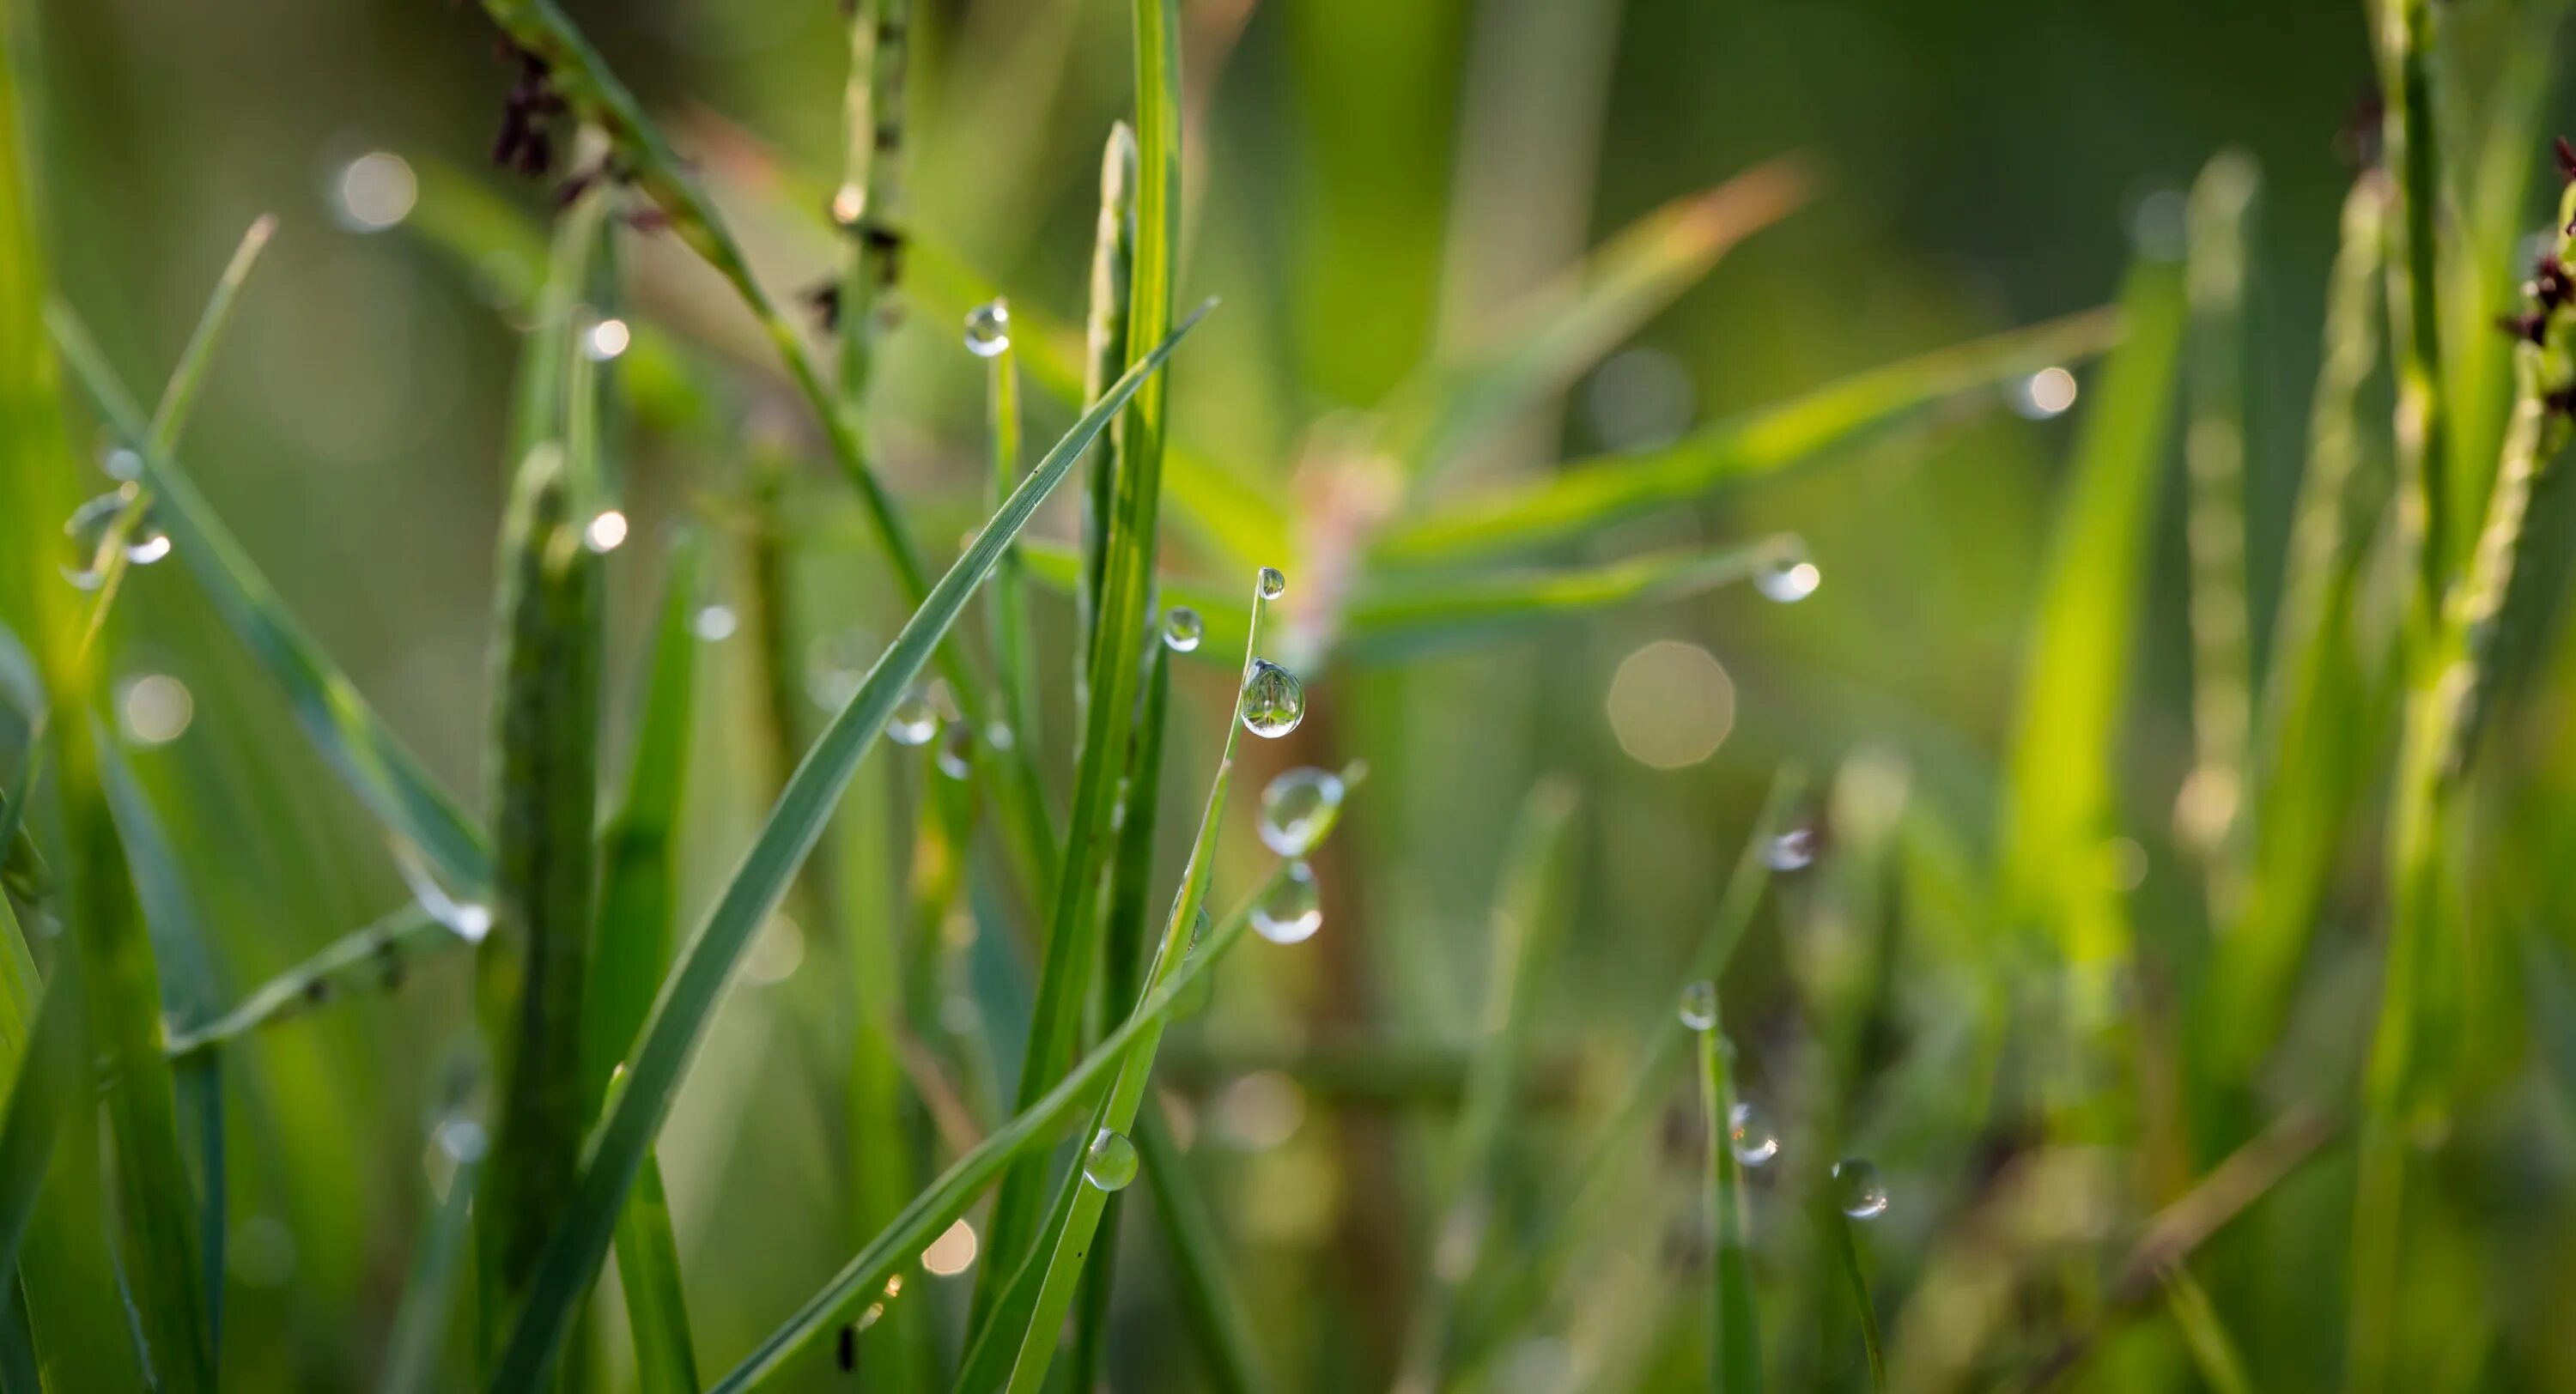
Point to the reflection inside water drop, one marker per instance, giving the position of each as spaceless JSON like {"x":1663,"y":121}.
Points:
{"x":1858,"y":1189}
{"x":988,"y":329}
{"x":1298,"y":808}
{"x":1110,"y":1162}
{"x":1292,"y":910}
{"x":1749,"y":1134}
{"x":1273,"y":700}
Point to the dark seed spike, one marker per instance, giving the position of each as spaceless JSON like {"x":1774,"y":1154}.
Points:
{"x":2530,"y":325}
{"x":2566,"y":157}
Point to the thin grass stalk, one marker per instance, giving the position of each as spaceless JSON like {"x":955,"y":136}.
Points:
{"x":681,"y":1012}
{"x":2409,"y":146}
{"x":867,"y":205}
{"x":414,"y":1348}
{"x":378,"y":956}
{"x":1113,"y":252}
{"x":1066,"y":1249}
{"x":1525,"y":921}
{"x":1014,"y":649}
{"x":937,"y":1207}
{"x":1735,"y":1343}
{"x":2208,"y":814}
{"x":1127,"y":598}
{"x":1847,"y":1250}
{"x":2204,"y":1334}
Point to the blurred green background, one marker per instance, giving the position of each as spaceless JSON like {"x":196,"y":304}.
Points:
{"x":1371,"y":183}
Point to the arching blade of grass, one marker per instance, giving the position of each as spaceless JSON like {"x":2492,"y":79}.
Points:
{"x":375,"y":763}
{"x":1591,"y":494}
{"x":1116,"y":665}
{"x":689,"y":994}
{"x":1564,"y":329}
{"x":1398,"y":619}
{"x":1735,"y":1336}
{"x":2074,"y":684}
{"x":2409,"y":151}
{"x":1500,"y":1297}
{"x":1528,"y":914}
{"x":956,"y":1189}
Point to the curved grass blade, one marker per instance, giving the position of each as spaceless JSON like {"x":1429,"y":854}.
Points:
{"x":1526,"y":920}
{"x":1735,"y":1365}
{"x":689,"y":994}
{"x":1564,"y":329}
{"x":384,"y":774}
{"x":1590,"y":494}
{"x":947,"y":1198}
{"x":377,"y":956}
{"x":1403,"y":618}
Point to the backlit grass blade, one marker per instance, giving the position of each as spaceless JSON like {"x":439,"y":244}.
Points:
{"x":1126,"y":601}
{"x":1113,"y":251}
{"x":1564,"y":329}
{"x":688,"y":996}
{"x":2214,"y":528}
{"x":50,"y":1078}
{"x":418,"y":1340}
{"x":1735,"y":1334}
{"x":1065,"y":1247}
{"x":375,"y":763}
{"x":2403,"y":42}
{"x":1528,"y":914}
{"x":376,"y":956}
{"x":2059,"y":782}
{"x":1396,"y":619}
{"x":1587,"y":495}
{"x":937,"y":1207}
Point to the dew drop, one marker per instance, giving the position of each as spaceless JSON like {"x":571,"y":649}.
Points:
{"x":1111,"y":1161}
{"x":1274,"y":583}
{"x":2046,"y":393}
{"x":1788,"y":579}
{"x":122,"y":463}
{"x":988,"y":329}
{"x":1293,"y":910}
{"x":1699,"y":1006}
{"x":914,"y":720}
{"x":956,"y":754}
{"x":462,"y":1139}
{"x":714,"y":623}
{"x":1750,"y":1136}
{"x":1273,"y":700}
{"x":1794,"y":850}
{"x":1858,"y":1190}
{"x":1298,"y":808}
{"x":88,"y":528}
{"x":1182,"y":629}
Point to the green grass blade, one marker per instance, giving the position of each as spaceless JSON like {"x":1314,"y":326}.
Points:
{"x":1113,"y":251}
{"x":2409,"y":150}
{"x":377,"y":956}
{"x":1848,"y":1250}
{"x":2074,"y":683}
{"x":1212,"y":1305}
{"x":419,"y":1336}
{"x":384,"y":774}
{"x":1116,"y":666}
{"x":1590,"y":494}
{"x":648,"y":1268}
{"x":50,"y":1079}
{"x":2204,"y":1334}
{"x":1397,"y":620}
{"x":1528,"y":915}
{"x":1014,"y":650}
{"x":2214,"y":528}
{"x":937,"y":1207}
{"x":1735,"y":1363}
{"x":688,"y":997}
{"x":1563,"y":330}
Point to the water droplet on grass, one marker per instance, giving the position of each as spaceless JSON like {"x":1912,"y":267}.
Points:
{"x":88,"y":527}
{"x":1273,"y":700}
{"x":956,"y":755}
{"x":606,"y":533}
{"x":1788,"y":579}
{"x":1794,"y":850}
{"x":1273,"y":582}
{"x":988,"y":329}
{"x":1750,"y":1136}
{"x":1858,"y":1190}
{"x":1293,"y":910}
{"x":607,"y":340}
{"x":1111,"y":1161}
{"x":914,"y":720}
{"x":1182,"y":629}
{"x":1699,"y":1006}
{"x":1297,"y":809}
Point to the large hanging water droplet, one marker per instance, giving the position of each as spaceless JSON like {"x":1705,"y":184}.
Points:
{"x":1292,"y":910}
{"x":1182,"y":629}
{"x":988,"y":329}
{"x":1111,"y":1161}
{"x":1273,"y":700}
{"x":1298,"y":808}
{"x":835,"y":665}
{"x":1794,"y":850}
{"x":1750,"y":1136}
{"x":914,"y":720}
{"x":1858,"y":1190}
{"x":1788,"y":579}
{"x":1699,"y":1006}
{"x":1273,"y":583}
{"x":956,"y":755}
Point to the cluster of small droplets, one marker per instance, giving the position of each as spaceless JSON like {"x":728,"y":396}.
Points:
{"x":988,"y":329}
{"x":1293,"y":908}
{"x":1110,"y":1162}
{"x":1298,"y":808}
{"x":1182,"y":629}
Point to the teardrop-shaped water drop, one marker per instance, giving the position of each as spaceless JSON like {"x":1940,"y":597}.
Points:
{"x":1110,"y":1162}
{"x":1292,"y":910}
{"x":1298,"y":808}
{"x":1273,"y":700}
{"x":1788,"y":579}
{"x":1750,"y":1136}
{"x":1858,"y":1190}
{"x":914,"y":720}
{"x":1182,"y":629}
{"x":1699,"y":1005}
{"x":988,"y":329}
{"x":1273,"y":583}
{"x":956,"y":754}
{"x":1794,"y":850}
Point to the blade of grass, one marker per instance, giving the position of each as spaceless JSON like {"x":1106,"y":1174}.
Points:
{"x":1527,"y":917}
{"x":384,"y":774}
{"x":2409,"y":149}
{"x":2213,"y":1351}
{"x":1400,"y":619}
{"x":418,"y":1340}
{"x":50,"y":1080}
{"x":1212,"y":1305}
{"x":1735,"y":1357}
{"x":1587,"y":495}
{"x":688,"y":996}
{"x":1848,"y":1250}
{"x":1116,"y":665}
{"x":1014,"y":651}
{"x":1113,"y":251}
{"x":1563,"y":329}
